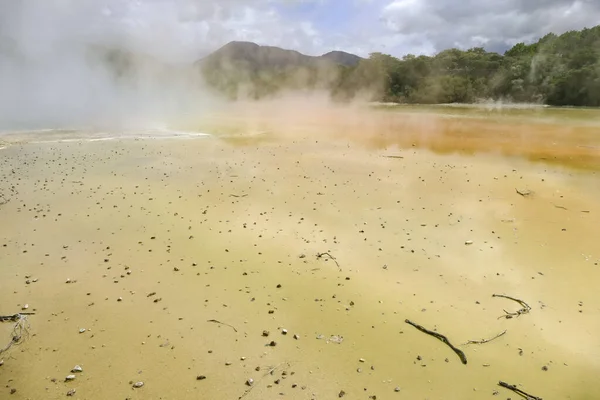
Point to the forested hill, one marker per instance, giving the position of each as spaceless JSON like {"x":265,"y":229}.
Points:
{"x":556,"y":70}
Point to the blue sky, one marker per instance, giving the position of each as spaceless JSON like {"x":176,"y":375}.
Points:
{"x":189,"y":29}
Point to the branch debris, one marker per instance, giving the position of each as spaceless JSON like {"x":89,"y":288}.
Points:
{"x":19,"y":332}
{"x":518,"y":391}
{"x":443,"y":338}
{"x":320,"y":255}
{"x":524,"y":192}
{"x":483,"y":341}
{"x":222,"y":323}
{"x":524,"y":307}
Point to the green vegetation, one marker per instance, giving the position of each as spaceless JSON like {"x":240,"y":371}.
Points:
{"x":557,"y":70}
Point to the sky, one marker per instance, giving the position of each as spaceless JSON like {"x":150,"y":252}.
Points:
{"x":186,"y":30}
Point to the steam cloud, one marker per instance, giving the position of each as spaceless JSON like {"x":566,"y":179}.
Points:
{"x":96,"y":63}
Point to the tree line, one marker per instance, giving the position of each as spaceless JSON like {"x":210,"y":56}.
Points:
{"x":556,"y":70}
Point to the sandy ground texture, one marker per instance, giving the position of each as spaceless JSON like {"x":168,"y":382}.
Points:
{"x":181,"y":263}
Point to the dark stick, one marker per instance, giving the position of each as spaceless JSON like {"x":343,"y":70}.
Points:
{"x":483,"y":341}
{"x":222,"y":323}
{"x":518,"y":391}
{"x":523,"y":193}
{"x":14,"y":317}
{"x":524,"y":310}
{"x":319,"y":255}
{"x":443,"y":338}
{"x":235,"y":195}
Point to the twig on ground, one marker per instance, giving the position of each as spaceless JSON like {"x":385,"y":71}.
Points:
{"x":238,"y":196}
{"x":19,"y":332}
{"x":320,"y":255}
{"x":443,"y":338}
{"x":524,"y":307}
{"x":269,"y":372}
{"x":222,"y":323}
{"x":393,"y":156}
{"x":518,"y":391}
{"x":561,"y":207}
{"x":14,"y":317}
{"x":483,"y":341}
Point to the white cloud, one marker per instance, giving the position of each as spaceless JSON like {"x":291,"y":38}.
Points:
{"x":494,"y":24}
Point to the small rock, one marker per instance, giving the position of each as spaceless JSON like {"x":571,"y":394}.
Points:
{"x":68,"y":280}
{"x":25,"y":307}
{"x":81,"y":330}
{"x":250,"y":382}
{"x":138,"y":385}
{"x":273,"y":343}
{"x":200,"y":377}
{"x":120,"y":299}
{"x":469,"y":242}
{"x":397,"y":389}
{"x":77,"y":368}
{"x":266,"y":333}
{"x":341,"y":394}
{"x":69,"y":377}
{"x":13,"y":391}
{"x":71,"y":392}
{"x":361,"y":359}
{"x":544,"y":368}
{"x":296,"y":336}
{"x":1,"y":363}
{"x":284,"y":331}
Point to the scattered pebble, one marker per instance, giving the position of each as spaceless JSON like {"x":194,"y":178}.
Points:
{"x":81,"y":330}
{"x":71,"y":392}
{"x":77,"y":368}
{"x":250,"y":382}
{"x":69,"y":377}
{"x":138,"y":385}
{"x":200,"y":377}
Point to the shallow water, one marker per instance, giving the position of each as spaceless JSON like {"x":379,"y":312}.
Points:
{"x":214,"y":225}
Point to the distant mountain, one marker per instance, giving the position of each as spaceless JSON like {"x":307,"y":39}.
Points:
{"x":256,"y":57}
{"x":244,"y":69}
{"x":342,"y":58}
